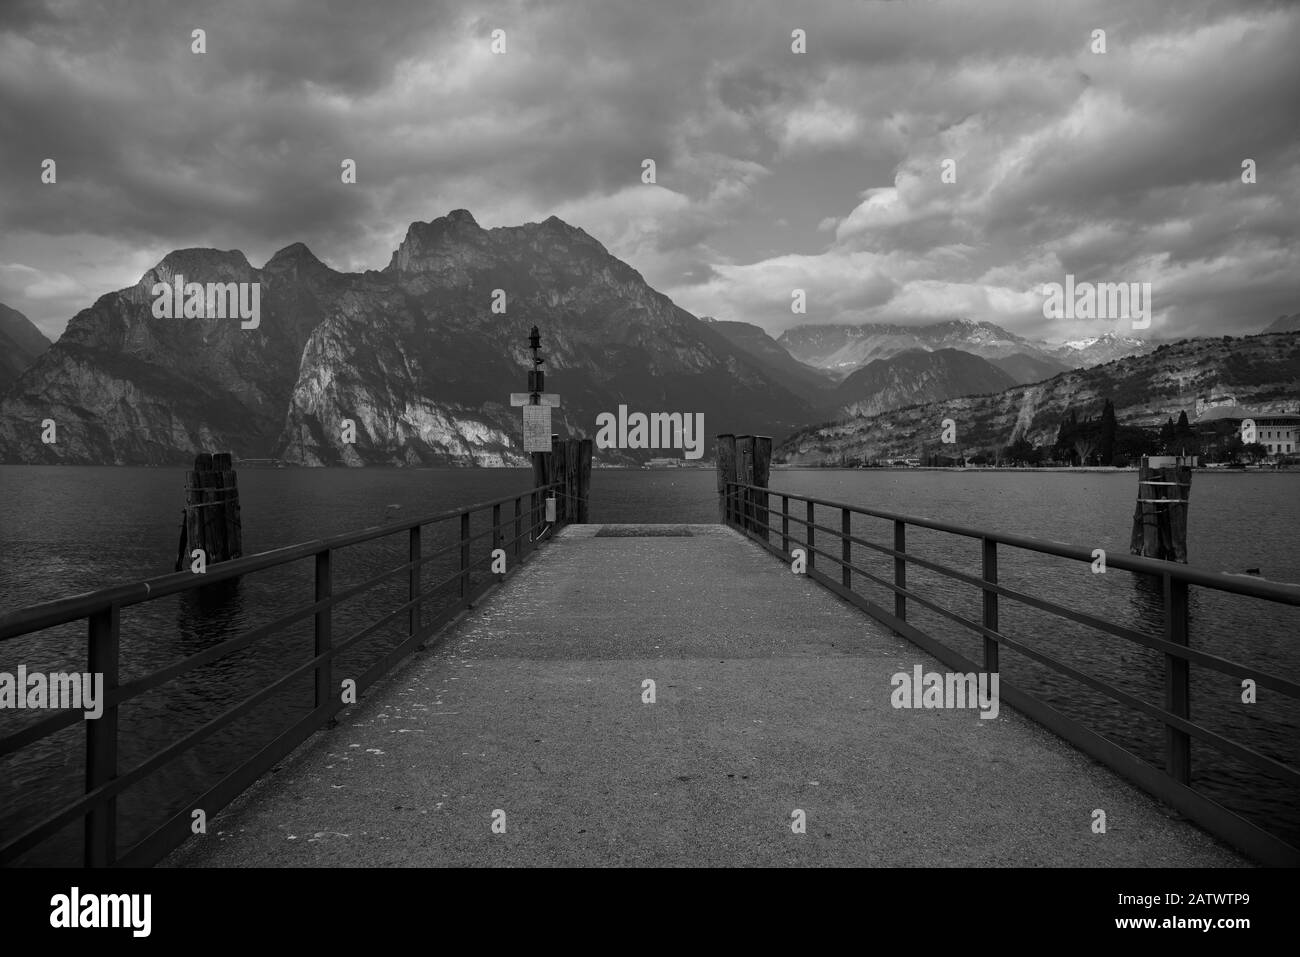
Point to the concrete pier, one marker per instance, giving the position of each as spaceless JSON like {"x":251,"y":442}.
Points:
{"x":771,"y":695}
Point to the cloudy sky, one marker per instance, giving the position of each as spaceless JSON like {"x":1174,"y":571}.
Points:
{"x":776,"y":170}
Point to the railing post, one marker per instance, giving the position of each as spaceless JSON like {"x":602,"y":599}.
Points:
{"x":464,"y":556}
{"x":810,"y":536}
{"x":846,"y":548}
{"x":323,"y":622}
{"x":990,"y":605}
{"x":519,"y":526}
{"x":785,"y":524}
{"x":1178,"y":744}
{"x":413,"y":586}
{"x":900,"y":570}
{"x":101,"y":739}
{"x":496,"y":528}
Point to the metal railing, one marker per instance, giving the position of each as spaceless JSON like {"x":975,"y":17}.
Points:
{"x":749,"y":509}
{"x":105,"y":781}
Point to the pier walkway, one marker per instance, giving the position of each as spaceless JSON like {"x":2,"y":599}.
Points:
{"x":771,"y":695}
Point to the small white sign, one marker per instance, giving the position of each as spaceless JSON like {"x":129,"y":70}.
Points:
{"x":537,"y":428}
{"x":546,"y":398}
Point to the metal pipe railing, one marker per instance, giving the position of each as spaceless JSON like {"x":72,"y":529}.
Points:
{"x":1173,"y":782}
{"x":101,"y":610}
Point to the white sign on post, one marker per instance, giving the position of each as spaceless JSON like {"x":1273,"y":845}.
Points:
{"x":544,"y":398}
{"x":537,"y":428}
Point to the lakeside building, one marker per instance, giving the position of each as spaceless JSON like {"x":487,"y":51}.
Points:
{"x":1278,"y":432}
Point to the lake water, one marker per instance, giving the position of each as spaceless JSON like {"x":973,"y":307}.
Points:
{"x":68,"y":530}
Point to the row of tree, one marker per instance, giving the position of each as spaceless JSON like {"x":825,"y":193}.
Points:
{"x":1101,"y":440}
{"x":1106,"y":441}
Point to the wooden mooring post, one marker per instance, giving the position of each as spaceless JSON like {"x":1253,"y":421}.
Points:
{"x":726,"y":446}
{"x":746,"y":459}
{"x":1160,"y":517}
{"x":210,"y":520}
{"x":567,"y":465}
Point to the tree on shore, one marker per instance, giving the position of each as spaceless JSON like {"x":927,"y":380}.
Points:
{"x":1106,"y":438}
{"x":1023,"y":452}
{"x":1083,"y":447}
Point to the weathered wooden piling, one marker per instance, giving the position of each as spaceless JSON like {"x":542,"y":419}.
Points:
{"x":762,"y":472}
{"x":745,"y":476}
{"x":559,"y":472}
{"x":726,"y":443}
{"x":1160,"y":517}
{"x":582,"y":486}
{"x":211,"y":520}
{"x":746,"y":459}
{"x":567,"y":465}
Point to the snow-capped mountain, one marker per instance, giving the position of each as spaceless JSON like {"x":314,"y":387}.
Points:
{"x":1098,"y":350}
{"x":841,"y":349}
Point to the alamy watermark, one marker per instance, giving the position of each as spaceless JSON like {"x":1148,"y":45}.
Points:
{"x":75,"y":910}
{"x":950,"y":690}
{"x":658,"y":430}
{"x":1105,"y":300}
{"x":215,"y":300}
{"x":59,"y":690}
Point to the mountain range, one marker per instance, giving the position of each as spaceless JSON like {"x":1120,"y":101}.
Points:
{"x":914,"y":377}
{"x":1262,"y":372}
{"x":420,"y":357}
{"x":840,"y":349}
{"x":415,"y":355}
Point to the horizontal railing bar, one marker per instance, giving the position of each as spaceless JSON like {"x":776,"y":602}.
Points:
{"x":38,"y":730}
{"x":1158,"y":782}
{"x":1222,"y":665}
{"x":375,"y":626}
{"x":1283,"y":592}
{"x":132,"y":689}
{"x":1212,"y":738}
{"x":445,"y":615}
{"x":64,"y":610}
{"x":30,"y":619}
{"x":174,"y":831}
{"x":146,"y":767}
{"x":1214,"y":662}
{"x":1224,"y":745}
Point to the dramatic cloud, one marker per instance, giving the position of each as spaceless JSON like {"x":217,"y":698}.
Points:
{"x":775,"y":170}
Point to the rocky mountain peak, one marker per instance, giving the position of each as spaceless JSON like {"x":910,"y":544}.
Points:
{"x":200,"y":265}
{"x":296,"y":254}
{"x":428,"y":246}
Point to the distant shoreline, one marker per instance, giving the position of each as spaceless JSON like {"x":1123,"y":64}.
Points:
{"x":1005,"y":468}
{"x":637,"y":468}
